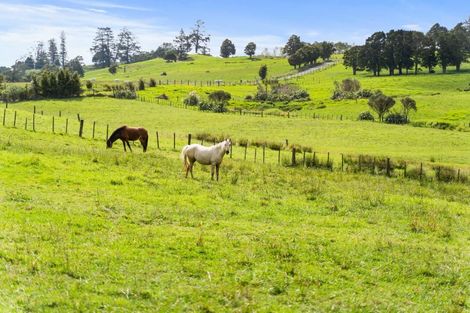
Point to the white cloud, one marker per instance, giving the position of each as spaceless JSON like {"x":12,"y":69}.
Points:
{"x":107,"y":5}
{"x":415,"y":27}
{"x":21,"y":26}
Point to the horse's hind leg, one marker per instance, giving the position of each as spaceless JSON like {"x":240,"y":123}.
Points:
{"x":217,"y":166}
{"x":191,"y":165}
{"x":212,"y":172}
{"x":129,"y":145}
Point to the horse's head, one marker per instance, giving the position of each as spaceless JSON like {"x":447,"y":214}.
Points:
{"x":109,"y":144}
{"x":227,"y":145}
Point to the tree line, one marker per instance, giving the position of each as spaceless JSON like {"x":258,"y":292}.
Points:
{"x":404,"y":50}
{"x":301,"y":53}
{"x":54,"y":56}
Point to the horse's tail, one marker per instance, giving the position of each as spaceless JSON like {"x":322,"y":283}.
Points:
{"x":146,"y":142}
{"x":184,"y":157}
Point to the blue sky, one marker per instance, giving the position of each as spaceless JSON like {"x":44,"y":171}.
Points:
{"x":268,"y":23}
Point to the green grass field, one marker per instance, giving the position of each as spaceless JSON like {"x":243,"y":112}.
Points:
{"x":351,"y":137}
{"x":201,"y":68}
{"x":89,"y":229}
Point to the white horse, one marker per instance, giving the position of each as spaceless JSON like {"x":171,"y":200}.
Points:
{"x":212,"y":156}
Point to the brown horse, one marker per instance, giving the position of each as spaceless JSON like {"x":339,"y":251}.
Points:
{"x":127,"y":134}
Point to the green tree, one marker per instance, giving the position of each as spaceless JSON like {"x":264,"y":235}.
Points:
{"x":53,"y":53}
{"x":163,"y":49}
{"x":29,"y":62}
{"x":198,"y":36}
{"x":113,"y":68}
{"x":263,"y":72}
{"x":171,"y":56}
{"x":443,"y":42}
{"x":381,"y":104}
{"x":183,"y":45}
{"x":295,"y":60}
{"x":103,"y":47}
{"x":374,"y":52}
{"x":250,"y":49}
{"x":293,"y":44}
{"x":127,"y":46}
{"x":326,"y":50}
{"x":41,"y":56}
{"x":227,"y":48}
{"x":63,"y":50}
{"x":352,"y":58}
{"x":427,"y":53}
{"x":408,"y":104}
{"x":76,"y":65}
{"x":460,"y":43}
{"x":417,"y":46}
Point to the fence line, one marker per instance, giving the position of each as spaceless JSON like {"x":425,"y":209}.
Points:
{"x":271,"y":153}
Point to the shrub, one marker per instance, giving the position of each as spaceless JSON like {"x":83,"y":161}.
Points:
{"x":365,"y":116}
{"x":162,"y":96}
{"x":220,"y":96}
{"x":364,"y":93}
{"x":152,"y":82}
{"x":89,"y":85}
{"x":381,"y":104}
{"x":125,"y":94}
{"x":113,"y":69}
{"x":243,"y":142}
{"x":130,"y":86}
{"x":249,"y":98}
{"x":62,"y":83}
{"x":192,"y":99}
{"x":396,"y":118}
{"x":163,"y":74}
{"x":449,"y":174}
{"x":141,"y":84}
{"x":16,"y":93}
{"x":346,"y":89}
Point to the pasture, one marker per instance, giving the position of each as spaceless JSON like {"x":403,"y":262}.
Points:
{"x":89,"y":229}
{"x":350,"y":137}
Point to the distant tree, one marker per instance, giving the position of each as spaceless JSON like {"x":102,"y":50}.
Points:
{"x":409,"y":104}
{"x":76,"y":65}
{"x":227,"y":48}
{"x":219,"y":96}
{"x":103,"y":47}
{"x":381,"y":104}
{"x":53,"y":53}
{"x":183,"y":45}
{"x":373,"y":53}
{"x":127,"y":46}
{"x":29,"y":62}
{"x":417,"y":46}
{"x":293,"y":44}
{"x":326,"y":50}
{"x":163,"y":49}
{"x":198,"y":36}
{"x":205,"y":50}
{"x":460,"y":43}
{"x":113,"y":68}
{"x":171,"y":56}
{"x":427,"y":54}
{"x":63,"y":50}
{"x":342,"y":47}
{"x":61,"y":83}
{"x":295,"y":60}
{"x":263,"y":72}
{"x":352,"y":58}
{"x":443,"y":43}
{"x":250,"y":49}
{"x":41,"y":56}
{"x":310,"y":53}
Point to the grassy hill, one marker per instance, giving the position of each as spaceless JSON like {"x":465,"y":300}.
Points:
{"x":405,"y":142}
{"x":88,"y":229}
{"x":200,"y":68}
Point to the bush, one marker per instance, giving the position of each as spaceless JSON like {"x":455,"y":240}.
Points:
{"x":365,"y":116}
{"x":56,"y":84}
{"x":125,"y":94}
{"x":162,"y":96}
{"x":364,"y":93}
{"x":89,"y":85}
{"x":220,"y":96}
{"x":249,"y":98}
{"x":396,"y":118}
{"x":214,"y":107}
{"x":152,"y":82}
{"x":141,"y":84}
{"x":192,"y":99}
{"x":16,"y":93}
{"x":282,"y":92}
{"x":129,"y":86}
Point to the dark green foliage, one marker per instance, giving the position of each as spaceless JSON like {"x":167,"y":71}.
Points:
{"x":62,"y":83}
{"x":448,"y":174}
{"x":152,"y":82}
{"x":127,"y":46}
{"x":219,"y":96}
{"x":113,"y":69}
{"x":182,"y":45}
{"x":170,"y":56}
{"x":347,"y":89}
{"x":199,"y":38}
{"x":396,"y":118}
{"x":141,"y":84}
{"x":282,"y":92}
{"x":76,"y":65}
{"x":192,"y":99}
{"x":326,"y":50}
{"x":250,"y":49}
{"x":89,"y":85}
{"x":408,"y":104}
{"x":103,"y":47}
{"x":263,"y":72}
{"x":381,"y":104}
{"x":352,"y":58}
{"x":293,"y":44}
{"x":163,"y":49}
{"x":227,"y":48}
{"x":15,"y":93}
{"x":126,"y":91}
{"x":365,"y":116}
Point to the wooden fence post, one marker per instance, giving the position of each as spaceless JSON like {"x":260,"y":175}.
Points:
{"x":4,"y":116}
{"x":93,"y":133}
{"x":360,"y":165}
{"x":34,"y":122}
{"x":264,"y":153}
{"x":107,"y":132}
{"x":158,"y":141}
{"x":246,"y":147}
{"x":458,"y":175}
{"x":328,"y":161}
{"x":438,"y":173}
{"x":293,"y":156}
{"x":231,"y":149}
{"x":34,"y":109}
{"x":421,"y":171}
{"x":388,"y":167}
{"x":189,"y":139}
{"x":279,"y":156}
{"x":53,"y":130}
{"x":342,"y":162}
{"x":174,"y":141}
{"x":255,"y":153}
{"x":26,"y":124}
{"x":80,"y":130}
{"x":60,"y":113}
{"x":404,"y":171}
{"x":66,"y":126}
{"x":14,"y":120}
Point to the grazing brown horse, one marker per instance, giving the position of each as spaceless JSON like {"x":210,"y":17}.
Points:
{"x":127,"y":134}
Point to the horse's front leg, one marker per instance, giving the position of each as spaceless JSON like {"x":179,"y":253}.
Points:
{"x":124,"y":144}
{"x":212,"y":171}
{"x":217,"y":166}
{"x":129,"y":146}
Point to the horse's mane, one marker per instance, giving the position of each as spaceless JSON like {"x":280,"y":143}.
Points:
{"x":117,"y":131}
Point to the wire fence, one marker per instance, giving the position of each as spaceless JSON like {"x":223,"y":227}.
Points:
{"x":259,"y":151}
